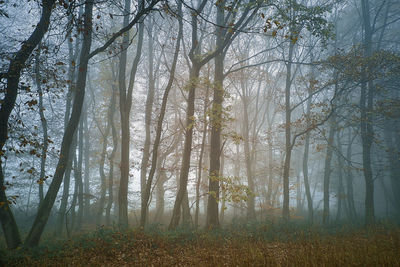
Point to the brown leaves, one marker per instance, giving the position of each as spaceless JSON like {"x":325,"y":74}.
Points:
{"x":240,"y":248}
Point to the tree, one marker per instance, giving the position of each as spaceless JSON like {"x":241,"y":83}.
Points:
{"x":17,"y":64}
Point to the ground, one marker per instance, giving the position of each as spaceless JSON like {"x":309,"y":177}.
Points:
{"x":261,"y":245}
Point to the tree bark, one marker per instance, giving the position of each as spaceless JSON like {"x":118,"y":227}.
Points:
{"x":43,"y":120}
{"x":125,"y":104}
{"x":288,"y":145}
{"x":349,"y":179}
{"x":48,"y":202}
{"x":212,"y":220}
{"x":305,"y":169}
{"x":146,"y":196}
{"x":328,"y":170}
{"x":184,"y":172}
{"x":148,"y":112}
{"x":366,"y":108}
{"x":86,"y":182}
{"x":200,"y":166}
{"x":17,"y":64}
{"x":111,"y":159}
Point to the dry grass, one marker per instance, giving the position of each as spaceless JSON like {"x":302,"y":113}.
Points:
{"x":105,"y":248}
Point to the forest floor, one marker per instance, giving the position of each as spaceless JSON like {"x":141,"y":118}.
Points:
{"x":261,"y":245}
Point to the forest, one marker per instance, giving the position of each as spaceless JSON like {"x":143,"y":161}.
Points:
{"x":195,"y":132}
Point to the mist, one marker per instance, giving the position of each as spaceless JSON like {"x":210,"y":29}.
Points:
{"x":200,"y":119}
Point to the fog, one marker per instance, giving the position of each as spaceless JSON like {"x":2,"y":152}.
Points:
{"x":197,"y":114}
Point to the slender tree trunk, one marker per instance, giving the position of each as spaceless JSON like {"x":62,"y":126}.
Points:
{"x":148,"y":112}
{"x":340,"y":194}
{"x":366,"y":108}
{"x":203,"y":141}
{"x":160,"y":191}
{"x":270,"y":168}
{"x":328,"y":170}
{"x":223,"y":205}
{"x":146,"y":196}
{"x":305,"y":172}
{"x":184,"y":172}
{"x":110,"y":118}
{"x":125,"y":104}
{"x":111,"y":176}
{"x":349,"y":179}
{"x":66,"y":185}
{"x":74,"y":197}
{"x":394,"y":164}
{"x":17,"y":64}
{"x":43,"y":120}
{"x":288,"y":145}
{"x":86,"y":210}
{"x":48,"y":202}
{"x":251,"y":214}
{"x":78,"y":177}
{"x":71,"y":87}
{"x":101,"y":167}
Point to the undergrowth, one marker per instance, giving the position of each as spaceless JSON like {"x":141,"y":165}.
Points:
{"x":251,"y":244}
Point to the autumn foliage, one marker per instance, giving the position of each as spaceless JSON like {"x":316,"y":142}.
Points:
{"x":261,"y":245}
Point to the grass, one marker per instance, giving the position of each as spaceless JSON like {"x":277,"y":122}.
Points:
{"x":237,"y":245}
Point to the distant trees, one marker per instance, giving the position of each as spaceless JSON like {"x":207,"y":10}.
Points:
{"x":265,"y":98}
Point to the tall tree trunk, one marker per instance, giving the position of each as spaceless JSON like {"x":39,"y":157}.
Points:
{"x":74,"y":197}
{"x":349,"y":179}
{"x":366,"y":108}
{"x":186,"y":218}
{"x":200,"y":166}
{"x":223,"y":205}
{"x":71,"y":88}
{"x":148,"y":112}
{"x":340,"y":191}
{"x":86,"y":210}
{"x":66,"y":185}
{"x":43,"y":120}
{"x":394,"y":163}
{"x":305,"y":170}
{"x":307,"y":148}
{"x":103,"y":179}
{"x":43,"y":214}
{"x":187,"y":150}
{"x":17,"y":64}
{"x":288,"y":145}
{"x":125,"y":104}
{"x":146,"y":196}
{"x":78,"y":177}
{"x":270,"y":168}
{"x":216,"y":122}
{"x":160,"y":191}
{"x":184,"y":172}
{"x":251,"y":214}
{"x":328,"y":170}
{"x":112,"y":157}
